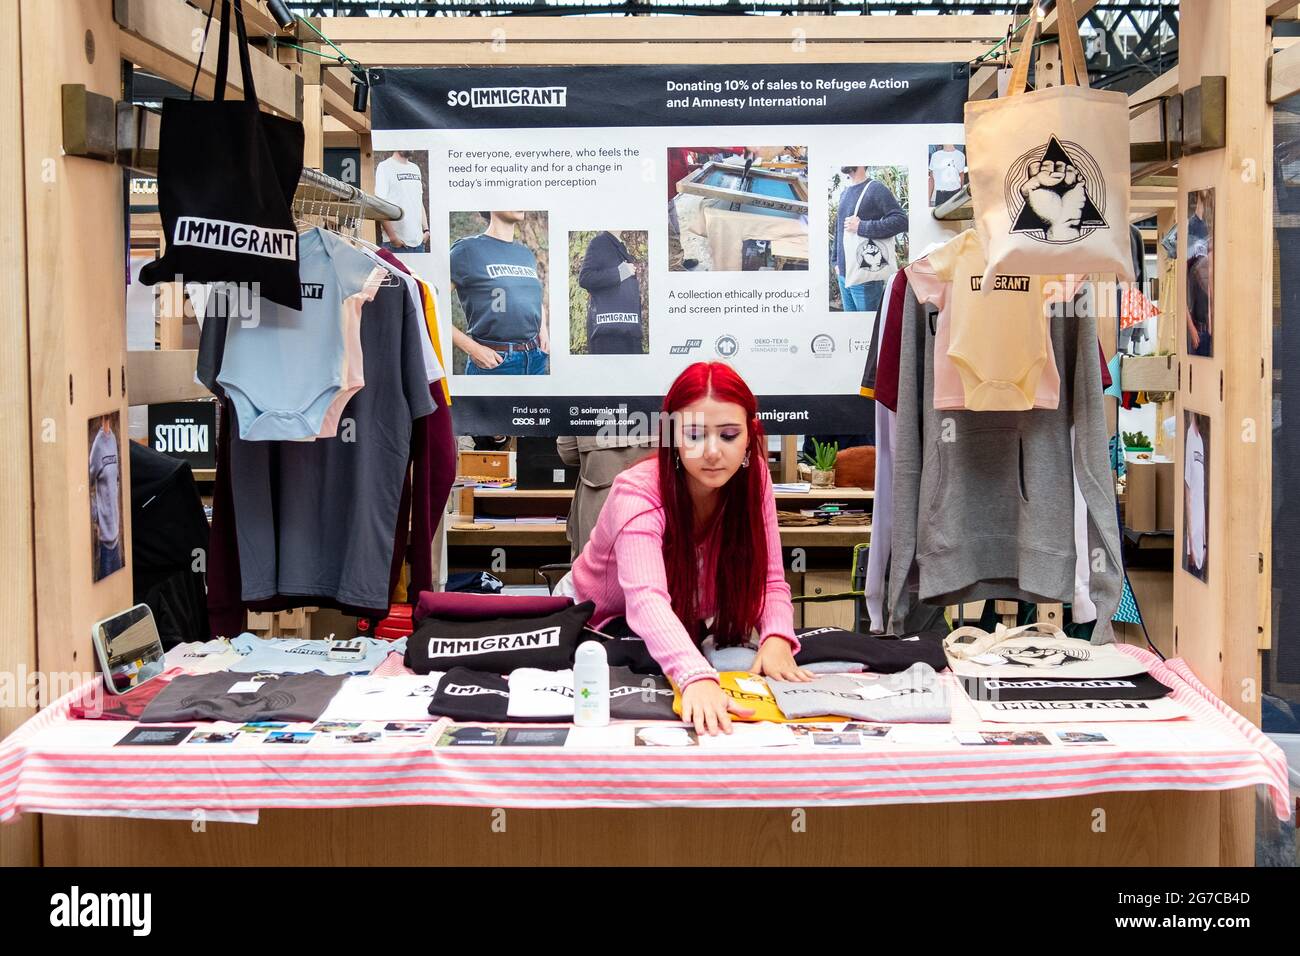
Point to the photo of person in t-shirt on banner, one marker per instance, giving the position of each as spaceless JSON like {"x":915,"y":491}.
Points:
{"x":402,"y":178}
{"x":609,"y":292}
{"x":947,"y":172}
{"x":868,"y":234}
{"x":1196,"y":494}
{"x":499,"y":264}
{"x":106,"y":553}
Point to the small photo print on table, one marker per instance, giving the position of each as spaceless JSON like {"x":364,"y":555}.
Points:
{"x":1200,"y":273}
{"x":402,"y":178}
{"x":947,"y":172}
{"x":105,"y":444}
{"x":666,"y":736}
{"x":1196,"y":494}
{"x":868,"y":222}
{"x":737,"y":208}
{"x":499,"y":314}
{"x":609,"y":292}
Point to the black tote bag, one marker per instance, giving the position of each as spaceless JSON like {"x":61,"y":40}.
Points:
{"x":227,"y":173}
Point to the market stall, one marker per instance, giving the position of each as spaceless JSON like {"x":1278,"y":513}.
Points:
{"x":954,"y":791}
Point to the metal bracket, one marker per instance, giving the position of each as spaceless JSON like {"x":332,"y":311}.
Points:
{"x":89,"y":123}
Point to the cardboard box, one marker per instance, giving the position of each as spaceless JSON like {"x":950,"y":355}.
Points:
{"x":1149,"y":498}
{"x":484,"y":464}
{"x":1140,"y":496}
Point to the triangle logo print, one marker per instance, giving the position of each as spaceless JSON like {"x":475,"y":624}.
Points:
{"x":1055,"y":193}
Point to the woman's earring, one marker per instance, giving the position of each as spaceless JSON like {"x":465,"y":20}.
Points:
{"x":745,"y":463}
{"x":679,"y":462}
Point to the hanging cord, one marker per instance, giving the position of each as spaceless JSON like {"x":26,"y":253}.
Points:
{"x":202,"y":47}
{"x":342,"y":58}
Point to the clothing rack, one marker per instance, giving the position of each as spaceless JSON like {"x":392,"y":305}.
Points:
{"x":315,"y":186}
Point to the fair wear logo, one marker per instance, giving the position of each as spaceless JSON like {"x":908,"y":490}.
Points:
{"x":77,"y":909}
{"x":685,"y":349}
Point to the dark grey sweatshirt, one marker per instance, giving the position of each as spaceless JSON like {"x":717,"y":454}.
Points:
{"x":984,"y":501}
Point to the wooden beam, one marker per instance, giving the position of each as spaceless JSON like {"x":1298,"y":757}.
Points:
{"x":163,"y":37}
{"x":1052,"y":22}
{"x":1284,"y":9}
{"x":19,"y":842}
{"x":417,"y":31}
{"x":486,"y":53}
{"x":257,"y":17}
{"x":337,"y":87}
{"x":1163,"y":85}
{"x":983,"y":83}
{"x":1284,"y":74}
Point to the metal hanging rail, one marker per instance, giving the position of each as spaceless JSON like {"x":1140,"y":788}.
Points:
{"x":315,"y":186}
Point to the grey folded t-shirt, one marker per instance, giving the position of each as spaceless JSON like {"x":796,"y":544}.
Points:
{"x":240,"y":698}
{"x":917,"y":696}
{"x":740,"y":657}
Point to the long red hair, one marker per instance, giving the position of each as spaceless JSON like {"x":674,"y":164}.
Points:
{"x":739,"y":559}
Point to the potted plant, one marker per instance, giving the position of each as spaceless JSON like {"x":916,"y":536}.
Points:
{"x":822,"y":462}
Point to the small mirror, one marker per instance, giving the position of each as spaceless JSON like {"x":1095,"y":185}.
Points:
{"x":128,"y":649}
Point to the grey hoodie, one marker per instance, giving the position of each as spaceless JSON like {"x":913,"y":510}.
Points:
{"x":984,"y":501}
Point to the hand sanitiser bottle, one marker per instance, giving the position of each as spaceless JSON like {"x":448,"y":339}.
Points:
{"x":591,"y":685}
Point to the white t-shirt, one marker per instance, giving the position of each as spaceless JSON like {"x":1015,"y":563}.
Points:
{"x":105,"y":476}
{"x":400,"y":183}
{"x":947,"y":166}
{"x":1194,"y":478}
{"x":402,"y":698}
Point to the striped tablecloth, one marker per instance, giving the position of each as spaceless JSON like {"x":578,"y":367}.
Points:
{"x":57,"y":765}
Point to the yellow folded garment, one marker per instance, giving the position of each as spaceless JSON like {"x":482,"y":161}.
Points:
{"x":750,"y":690}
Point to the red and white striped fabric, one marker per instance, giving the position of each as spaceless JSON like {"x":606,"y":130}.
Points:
{"x":49,"y":764}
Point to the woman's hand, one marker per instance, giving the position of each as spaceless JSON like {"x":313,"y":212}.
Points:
{"x":706,"y":706}
{"x":775,"y":659}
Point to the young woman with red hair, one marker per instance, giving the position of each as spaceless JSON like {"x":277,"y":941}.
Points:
{"x":691,"y":533}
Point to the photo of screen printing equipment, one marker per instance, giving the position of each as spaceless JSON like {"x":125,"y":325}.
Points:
{"x":749,"y":188}
{"x":750,"y":217}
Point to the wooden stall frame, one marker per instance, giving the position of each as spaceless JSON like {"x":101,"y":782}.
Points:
{"x":76,"y":339}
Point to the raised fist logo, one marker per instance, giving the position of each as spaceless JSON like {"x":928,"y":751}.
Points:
{"x":1056,"y":195}
{"x":871,"y":255}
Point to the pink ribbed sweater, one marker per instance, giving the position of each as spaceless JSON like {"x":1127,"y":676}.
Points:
{"x":622,"y":570}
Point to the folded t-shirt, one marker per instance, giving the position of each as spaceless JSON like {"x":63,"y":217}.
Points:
{"x":242,"y":698}
{"x":400,"y":698}
{"x":465,"y":694}
{"x":460,"y":606}
{"x":287,"y":656}
{"x":634,"y":696}
{"x":624,"y":648}
{"x":883,"y":655}
{"x":99,"y":704}
{"x":545,"y":696}
{"x":754,"y":693}
{"x":740,"y":657}
{"x":915,"y":695}
{"x":500,"y":645}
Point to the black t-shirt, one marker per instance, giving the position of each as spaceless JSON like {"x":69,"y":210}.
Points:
{"x":499,"y":288}
{"x":884,"y":655}
{"x":614,"y":310}
{"x":465,"y":694}
{"x":255,"y":697}
{"x":499,"y":645}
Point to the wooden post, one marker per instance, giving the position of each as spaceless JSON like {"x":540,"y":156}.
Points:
{"x":1219,"y":622}
{"x":77,"y":328}
{"x":19,"y":842}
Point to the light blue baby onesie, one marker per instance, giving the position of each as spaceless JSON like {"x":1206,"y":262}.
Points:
{"x":283,"y":370}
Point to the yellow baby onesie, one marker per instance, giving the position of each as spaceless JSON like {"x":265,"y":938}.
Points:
{"x":998,"y":341}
